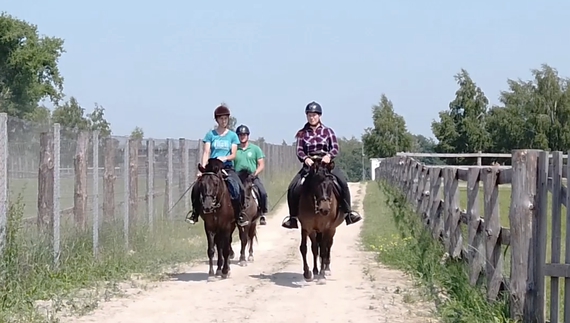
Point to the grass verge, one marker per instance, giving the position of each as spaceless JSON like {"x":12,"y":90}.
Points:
{"x":396,"y":233}
{"x":32,"y":290}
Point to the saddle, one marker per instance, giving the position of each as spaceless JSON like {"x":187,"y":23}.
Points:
{"x":256,"y":194}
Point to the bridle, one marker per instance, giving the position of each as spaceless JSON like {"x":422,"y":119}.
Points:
{"x":214,"y":197}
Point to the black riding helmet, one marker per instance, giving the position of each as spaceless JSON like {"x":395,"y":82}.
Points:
{"x":242,"y":129}
{"x":314,"y":107}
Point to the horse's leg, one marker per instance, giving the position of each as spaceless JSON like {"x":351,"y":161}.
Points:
{"x":251,"y":236}
{"x":303,"y":248}
{"x":232,"y":254}
{"x":211,"y":250}
{"x":226,"y":246}
{"x":316,"y":239}
{"x":326,"y":253}
{"x":243,"y":239}
{"x":219,"y":247}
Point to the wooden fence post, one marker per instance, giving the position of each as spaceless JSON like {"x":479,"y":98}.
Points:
{"x":150,"y":182}
{"x":45,"y":184}
{"x":109,"y":178}
{"x":528,"y":237}
{"x":133,"y":180}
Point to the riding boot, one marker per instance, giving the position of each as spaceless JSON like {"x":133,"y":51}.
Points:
{"x":193,"y":216}
{"x":350,"y":216}
{"x":290,"y":222}
{"x":263,"y":202}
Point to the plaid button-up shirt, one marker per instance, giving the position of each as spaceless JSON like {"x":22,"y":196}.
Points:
{"x":313,"y":142}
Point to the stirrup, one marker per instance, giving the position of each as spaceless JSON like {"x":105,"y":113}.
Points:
{"x":291,"y":220}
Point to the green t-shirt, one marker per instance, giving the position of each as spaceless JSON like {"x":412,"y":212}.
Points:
{"x":247,"y":158}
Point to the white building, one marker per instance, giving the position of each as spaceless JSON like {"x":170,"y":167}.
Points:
{"x":374,"y":163}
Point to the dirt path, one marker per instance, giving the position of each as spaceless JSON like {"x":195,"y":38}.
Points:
{"x":272,"y":289}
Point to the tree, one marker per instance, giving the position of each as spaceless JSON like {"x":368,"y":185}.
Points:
{"x":461,"y":128}
{"x":70,"y":115}
{"x":422,"y":144}
{"x":535,"y":113}
{"x":350,"y":158}
{"x":28,"y":65}
{"x":260,"y":141}
{"x":389,"y":134}
{"x":137,"y":133}
{"x":98,"y":122}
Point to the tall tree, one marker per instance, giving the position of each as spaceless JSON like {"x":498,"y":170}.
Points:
{"x":137,"y":133}
{"x":461,"y":128}
{"x":71,"y":116}
{"x":350,"y":158}
{"x":98,"y":122}
{"x":389,"y":134}
{"x":422,"y":144}
{"x":28,"y":65}
{"x":535,"y":113}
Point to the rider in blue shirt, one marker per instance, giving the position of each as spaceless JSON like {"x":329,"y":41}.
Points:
{"x":221,"y":143}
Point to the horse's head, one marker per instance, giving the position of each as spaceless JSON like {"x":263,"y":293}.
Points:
{"x":246,"y":178}
{"x":322,"y":185}
{"x":211,"y":185}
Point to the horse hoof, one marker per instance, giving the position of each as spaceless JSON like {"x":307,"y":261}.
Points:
{"x":322,"y":281}
{"x":212,"y":279}
{"x":308,"y":276}
{"x":242,"y":263}
{"x":328,"y":273}
{"x":218,"y":273}
{"x":250,"y":258}
{"x":225,"y":276}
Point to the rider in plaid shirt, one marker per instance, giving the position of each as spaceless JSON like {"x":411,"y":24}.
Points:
{"x":316,"y":139}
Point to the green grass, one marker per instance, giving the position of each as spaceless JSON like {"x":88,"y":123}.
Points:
{"x":395,"y":232}
{"x":27,"y":274}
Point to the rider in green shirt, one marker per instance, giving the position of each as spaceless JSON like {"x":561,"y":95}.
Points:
{"x":249,"y":156}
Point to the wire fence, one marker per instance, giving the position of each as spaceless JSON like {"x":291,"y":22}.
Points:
{"x":70,"y":181}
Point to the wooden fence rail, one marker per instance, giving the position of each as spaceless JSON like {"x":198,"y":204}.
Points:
{"x":434,"y":192}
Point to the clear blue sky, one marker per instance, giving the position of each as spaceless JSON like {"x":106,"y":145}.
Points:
{"x":165,"y":65}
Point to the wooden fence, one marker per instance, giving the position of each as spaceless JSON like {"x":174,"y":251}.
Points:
{"x":478,"y":237}
{"x":81,"y":180}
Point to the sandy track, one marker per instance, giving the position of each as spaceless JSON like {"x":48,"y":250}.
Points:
{"x":272,"y":288}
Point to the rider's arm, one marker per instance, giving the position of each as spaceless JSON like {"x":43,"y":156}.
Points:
{"x":301,"y":155}
{"x":207,"y":146}
{"x":235,"y":143}
{"x":260,"y":162}
{"x":333,"y":143}
{"x":232,"y":156}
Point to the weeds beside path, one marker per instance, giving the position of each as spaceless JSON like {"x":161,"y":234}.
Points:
{"x":396,"y":234}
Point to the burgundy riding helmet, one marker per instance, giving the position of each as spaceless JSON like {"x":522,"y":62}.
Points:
{"x":221,"y":111}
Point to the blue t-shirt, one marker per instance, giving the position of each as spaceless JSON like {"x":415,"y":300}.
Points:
{"x":221,"y":145}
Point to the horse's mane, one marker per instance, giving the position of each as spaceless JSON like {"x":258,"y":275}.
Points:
{"x":214,"y":165}
{"x":323,"y":174}
{"x":244,"y":174}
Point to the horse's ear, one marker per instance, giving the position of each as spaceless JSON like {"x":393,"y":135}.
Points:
{"x":201,"y":168}
{"x":330,"y":166}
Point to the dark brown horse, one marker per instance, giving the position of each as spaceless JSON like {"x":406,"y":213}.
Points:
{"x":218,"y":215}
{"x":319,"y":215}
{"x":249,"y":232}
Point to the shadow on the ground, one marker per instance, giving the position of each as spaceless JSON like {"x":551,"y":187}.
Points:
{"x":189,"y":277}
{"x":285,"y":279}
